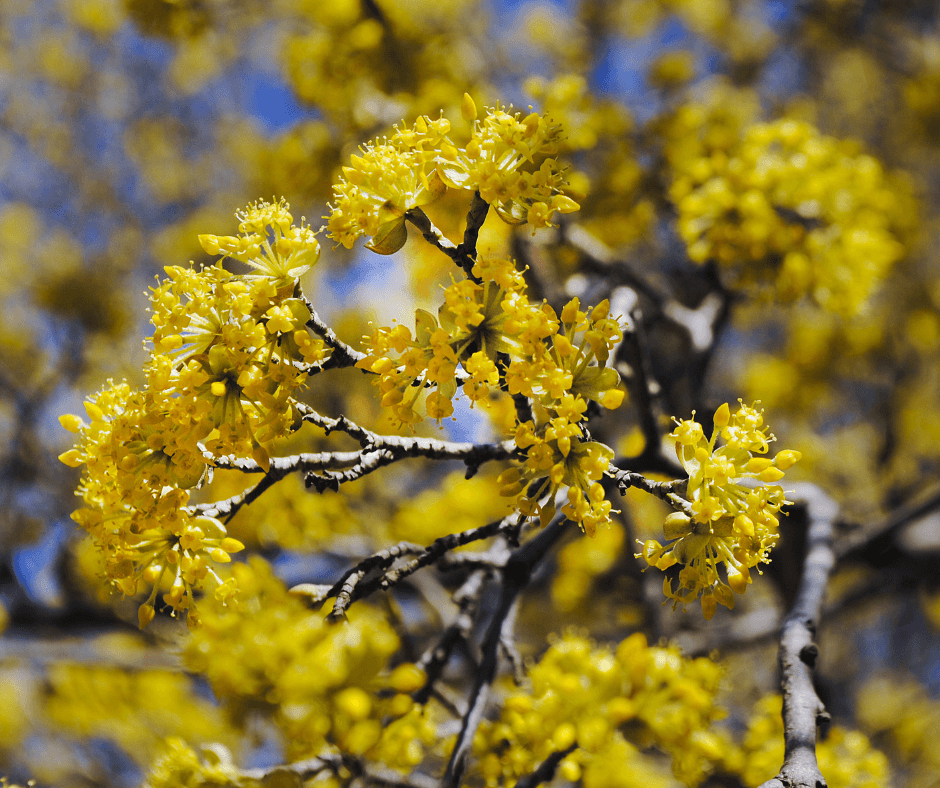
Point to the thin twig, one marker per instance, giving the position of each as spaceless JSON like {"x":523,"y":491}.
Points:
{"x":437,"y":239}
{"x":546,"y":771}
{"x":352,"y":585}
{"x":343,"y":355}
{"x":665,"y":491}
{"x":423,"y":557}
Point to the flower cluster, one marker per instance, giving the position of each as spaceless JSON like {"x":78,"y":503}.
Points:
{"x":505,"y":342}
{"x":727,"y":522}
{"x":134,"y":708}
{"x":561,"y":378}
{"x":598,"y":700}
{"x":788,"y":204}
{"x":228,"y":352}
{"x":507,"y":160}
{"x":180,"y":766}
{"x":580,"y":563}
{"x":902,"y":713}
{"x":326,"y":684}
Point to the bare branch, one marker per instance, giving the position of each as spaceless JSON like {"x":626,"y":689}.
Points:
{"x":546,"y":770}
{"x":343,"y":355}
{"x":665,"y":491}
{"x":435,"y":659}
{"x":342,"y":424}
{"x":459,"y":254}
{"x":516,"y":576}
{"x":329,"y":470}
{"x":803,"y":711}
{"x":423,"y":557}
{"x":351,"y":579}
{"x":475,"y":218}
{"x":878,"y":539}
{"x":644,"y":388}
{"x":303,"y":770}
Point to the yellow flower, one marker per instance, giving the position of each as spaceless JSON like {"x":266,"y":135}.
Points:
{"x":388,"y":179}
{"x":558,"y":456}
{"x":730,"y":523}
{"x":269,"y":243}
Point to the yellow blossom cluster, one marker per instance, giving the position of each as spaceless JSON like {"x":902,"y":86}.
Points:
{"x":363,"y":64}
{"x":507,"y":160}
{"x":227,"y":354}
{"x":580,"y":562}
{"x":503,"y":341}
{"x":562,"y":379}
{"x":477,"y":322}
{"x":846,"y":757}
{"x":599,"y":700}
{"x":326,"y":685}
{"x":729,"y":523}
{"x":180,"y":766}
{"x":286,"y":516}
{"x":136,"y":709}
{"x":457,"y":504}
{"x":599,"y":136}
{"x":900,"y":712}
{"x":783,"y":203}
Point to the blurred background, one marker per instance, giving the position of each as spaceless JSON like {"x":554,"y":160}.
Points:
{"x":128,"y":127}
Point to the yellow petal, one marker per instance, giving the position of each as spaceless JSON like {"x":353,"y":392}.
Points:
{"x":70,"y":422}
{"x":467,"y":108}
{"x":73,"y":458}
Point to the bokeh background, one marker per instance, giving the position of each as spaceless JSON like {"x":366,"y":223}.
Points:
{"x":128,"y":127}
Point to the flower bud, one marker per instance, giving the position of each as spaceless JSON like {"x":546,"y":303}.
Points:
{"x":722,"y":416}
{"x":145,"y":614}
{"x":468,"y":109}
{"x":770,"y":475}
{"x":677,"y":525}
{"x":787,"y":459}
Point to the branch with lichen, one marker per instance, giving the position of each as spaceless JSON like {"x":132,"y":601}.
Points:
{"x":515,"y":576}
{"x":343,"y":355}
{"x":803,"y":711}
{"x":458,"y":253}
{"x":670,"y":492}
{"x":353,"y":585}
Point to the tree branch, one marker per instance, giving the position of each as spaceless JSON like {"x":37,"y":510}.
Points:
{"x":475,"y":218}
{"x":665,"y":491}
{"x":435,"y":659}
{"x":343,"y":355}
{"x":803,"y":711}
{"x":546,"y":771}
{"x":878,"y":540}
{"x":353,"y":586}
{"x":516,"y":575}
{"x":329,"y":470}
{"x":461,"y":255}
